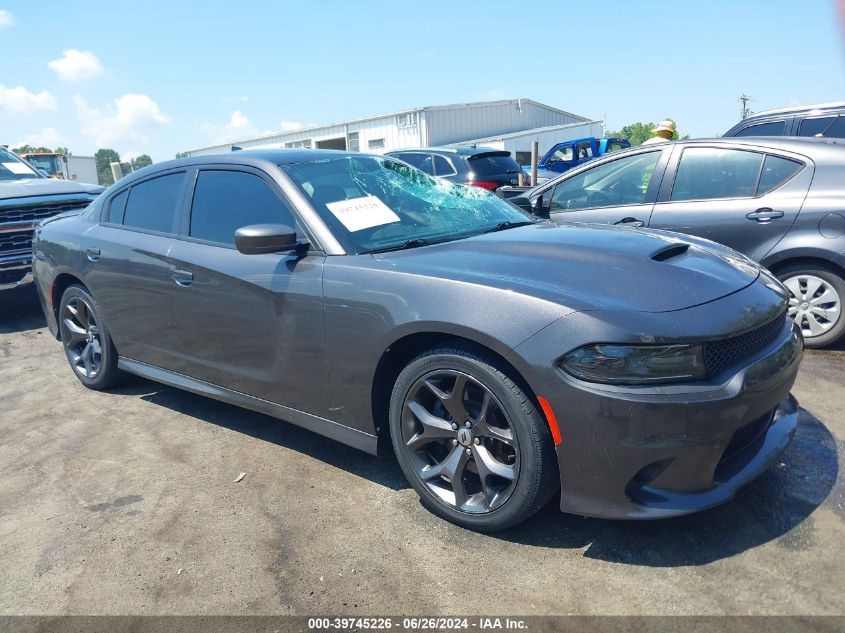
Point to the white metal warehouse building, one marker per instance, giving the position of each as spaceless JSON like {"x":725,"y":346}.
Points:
{"x":507,"y":124}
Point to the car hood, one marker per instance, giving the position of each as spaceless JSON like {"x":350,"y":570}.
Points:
{"x":44,"y":187}
{"x":587,"y":267}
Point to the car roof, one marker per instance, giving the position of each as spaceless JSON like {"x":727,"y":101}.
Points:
{"x":460,"y":151}
{"x":811,"y":109}
{"x":256,"y":158}
{"x":809,"y":146}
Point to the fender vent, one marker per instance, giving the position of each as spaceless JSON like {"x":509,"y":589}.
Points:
{"x":669,"y":252}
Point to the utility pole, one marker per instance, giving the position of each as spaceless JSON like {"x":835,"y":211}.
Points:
{"x":745,"y":111}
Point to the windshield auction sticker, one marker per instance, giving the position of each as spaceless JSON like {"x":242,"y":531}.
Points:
{"x":17,"y":168}
{"x":358,"y":214}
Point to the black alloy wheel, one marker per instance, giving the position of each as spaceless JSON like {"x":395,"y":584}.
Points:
{"x":470,"y":440}
{"x":86,"y":339}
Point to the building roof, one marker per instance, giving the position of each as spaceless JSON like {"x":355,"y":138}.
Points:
{"x":313,"y":128}
{"x":531,"y":132}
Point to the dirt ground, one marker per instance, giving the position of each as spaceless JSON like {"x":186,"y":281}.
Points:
{"x":124,"y":503}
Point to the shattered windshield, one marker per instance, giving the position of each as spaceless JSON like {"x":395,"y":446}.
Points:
{"x":13,"y":168}
{"x":373,"y":203}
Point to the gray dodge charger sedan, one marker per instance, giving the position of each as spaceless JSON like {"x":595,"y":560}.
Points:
{"x":641,"y":373}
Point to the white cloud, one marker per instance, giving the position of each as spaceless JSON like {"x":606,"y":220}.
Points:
{"x":290,"y":126}
{"x":123,"y":121}
{"x":6,"y":18}
{"x":19,"y":99}
{"x":47,"y":137}
{"x":238,"y":128}
{"x":76,"y":65}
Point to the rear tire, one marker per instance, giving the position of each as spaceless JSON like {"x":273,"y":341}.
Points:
{"x":816,"y":298}
{"x":86,"y":340}
{"x":490,"y":439}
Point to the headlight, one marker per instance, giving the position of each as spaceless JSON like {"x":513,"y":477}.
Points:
{"x":635,"y":364}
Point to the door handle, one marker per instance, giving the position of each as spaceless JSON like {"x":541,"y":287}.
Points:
{"x":183,"y":278}
{"x":631,"y":222}
{"x":764,"y":215}
{"x":93,"y":254}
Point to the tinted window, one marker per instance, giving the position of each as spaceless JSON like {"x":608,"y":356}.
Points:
{"x":225,"y":201}
{"x":417,"y":159}
{"x":492,"y":165}
{"x":705,"y":173}
{"x":619,"y":182}
{"x":117,"y":207}
{"x":776,"y":171}
{"x":829,"y":126}
{"x":152,"y":203}
{"x":615,"y":146}
{"x":815,"y":127}
{"x":442,"y":166}
{"x":775,"y":128}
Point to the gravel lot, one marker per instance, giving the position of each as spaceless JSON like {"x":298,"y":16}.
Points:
{"x":124,"y":503}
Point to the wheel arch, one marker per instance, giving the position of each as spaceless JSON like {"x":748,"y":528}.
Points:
{"x":404,"y":349}
{"x":61,"y":283}
{"x":806,"y":259}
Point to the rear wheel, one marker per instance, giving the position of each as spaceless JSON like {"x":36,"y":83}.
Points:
{"x":470,"y":441}
{"x":86,"y":340}
{"x":815,"y":302}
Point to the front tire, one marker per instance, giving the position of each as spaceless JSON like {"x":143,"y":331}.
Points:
{"x":86,"y":340}
{"x":470,"y":440}
{"x":816,"y":294}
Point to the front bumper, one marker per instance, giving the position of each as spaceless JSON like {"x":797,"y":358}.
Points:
{"x":660,"y":451}
{"x":15,"y":271}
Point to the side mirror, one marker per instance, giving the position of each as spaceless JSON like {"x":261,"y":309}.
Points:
{"x":265,"y":238}
{"x":539,"y":210}
{"x":522,"y":202}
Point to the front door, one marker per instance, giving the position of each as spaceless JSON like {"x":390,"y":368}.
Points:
{"x":620,"y":191}
{"x":747,"y":200}
{"x":250,"y":323}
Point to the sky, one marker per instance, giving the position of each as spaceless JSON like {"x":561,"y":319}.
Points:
{"x":160,"y":77}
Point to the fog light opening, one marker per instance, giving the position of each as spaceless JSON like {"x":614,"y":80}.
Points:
{"x":636,"y":487}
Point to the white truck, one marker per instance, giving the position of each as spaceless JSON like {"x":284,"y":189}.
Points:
{"x":79,"y":168}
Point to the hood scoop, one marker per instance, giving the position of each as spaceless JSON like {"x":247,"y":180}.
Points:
{"x":674,"y":250}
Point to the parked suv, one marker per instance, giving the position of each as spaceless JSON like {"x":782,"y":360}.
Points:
{"x":778,"y":200}
{"x":479,"y":166}
{"x":26,"y":198}
{"x":824,"y":120}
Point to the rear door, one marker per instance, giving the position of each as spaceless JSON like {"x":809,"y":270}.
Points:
{"x":617,"y":191}
{"x":129,"y":270}
{"x":746,"y":199}
{"x":250,"y":323}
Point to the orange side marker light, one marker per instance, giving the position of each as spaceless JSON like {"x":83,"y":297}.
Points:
{"x":550,"y":418}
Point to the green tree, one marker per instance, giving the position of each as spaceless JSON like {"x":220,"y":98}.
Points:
{"x":141,"y":161}
{"x":29,"y":149}
{"x":638,"y":133}
{"x":103,"y":158}
{"x":64,"y":151}
{"x":181,"y":154}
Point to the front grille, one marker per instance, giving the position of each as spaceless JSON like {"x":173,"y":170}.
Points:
{"x":719,"y":355}
{"x":37,"y":212}
{"x":15,"y":242}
